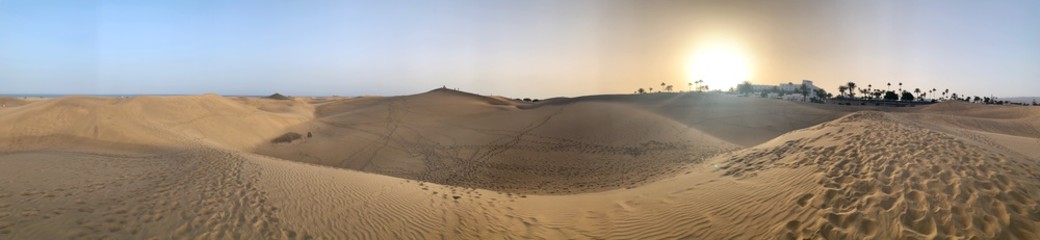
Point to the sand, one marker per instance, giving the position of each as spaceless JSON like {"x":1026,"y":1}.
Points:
{"x":466,"y":140}
{"x":6,"y":102}
{"x":453,"y":165}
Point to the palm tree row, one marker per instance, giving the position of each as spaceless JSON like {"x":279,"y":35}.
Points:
{"x":849,"y":90}
{"x":669,"y":88}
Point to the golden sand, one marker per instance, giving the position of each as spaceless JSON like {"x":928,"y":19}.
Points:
{"x":453,"y":165}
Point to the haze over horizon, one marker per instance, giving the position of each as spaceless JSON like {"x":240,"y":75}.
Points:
{"x":512,"y":48}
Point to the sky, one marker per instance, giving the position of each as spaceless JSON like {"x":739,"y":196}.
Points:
{"x":521,"y":48}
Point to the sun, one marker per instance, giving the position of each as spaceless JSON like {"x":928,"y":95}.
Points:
{"x":719,"y":65}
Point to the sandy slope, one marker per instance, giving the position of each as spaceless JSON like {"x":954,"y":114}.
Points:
{"x":461,"y":139}
{"x":884,"y":176}
{"x":746,"y":121}
{"x":177,"y":167}
{"x":6,"y":102}
{"x":140,"y":123}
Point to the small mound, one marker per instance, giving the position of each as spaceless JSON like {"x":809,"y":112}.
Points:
{"x":437,"y":100}
{"x":445,"y":92}
{"x":278,"y":96}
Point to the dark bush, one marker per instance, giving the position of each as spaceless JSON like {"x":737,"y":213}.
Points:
{"x":287,"y":138}
{"x":278,"y":96}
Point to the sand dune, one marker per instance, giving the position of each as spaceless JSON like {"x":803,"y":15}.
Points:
{"x":461,"y":139}
{"x":11,"y":102}
{"x":882,"y":176}
{"x":453,"y":165}
{"x":739,"y":120}
{"x":140,"y":123}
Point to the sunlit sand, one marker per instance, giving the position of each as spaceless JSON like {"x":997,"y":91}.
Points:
{"x":454,"y":165}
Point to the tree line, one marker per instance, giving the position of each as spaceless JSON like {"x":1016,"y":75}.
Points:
{"x":669,"y":88}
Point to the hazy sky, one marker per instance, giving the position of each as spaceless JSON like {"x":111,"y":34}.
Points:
{"x":514,"y":48}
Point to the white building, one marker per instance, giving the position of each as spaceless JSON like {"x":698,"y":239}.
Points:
{"x":787,"y":91}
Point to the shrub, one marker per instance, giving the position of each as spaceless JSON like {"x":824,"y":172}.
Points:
{"x":287,"y":138}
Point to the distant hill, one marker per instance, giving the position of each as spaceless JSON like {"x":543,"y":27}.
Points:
{"x":279,"y":96}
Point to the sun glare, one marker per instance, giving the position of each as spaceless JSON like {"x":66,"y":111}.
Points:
{"x":720,"y":66}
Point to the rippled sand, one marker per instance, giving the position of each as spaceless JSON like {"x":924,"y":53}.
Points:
{"x":447,"y":164}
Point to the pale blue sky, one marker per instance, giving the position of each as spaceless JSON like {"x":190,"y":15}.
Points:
{"x":514,"y":48}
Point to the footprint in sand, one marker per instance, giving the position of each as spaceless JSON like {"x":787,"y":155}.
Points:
{"x":804,"y":199}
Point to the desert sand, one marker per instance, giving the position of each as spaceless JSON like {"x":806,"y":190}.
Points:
{"x":453,"y":165}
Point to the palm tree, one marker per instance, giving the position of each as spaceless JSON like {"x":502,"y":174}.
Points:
{"x":805,"y":92}
{"x":744,"y":87}
{"x":691,"y":86}
{"x":668,"y":88}
{"x":889,"y":87}
{"x":842,"y":89}
{"x":906,"y":97}
{"x":900,"y":87}
{"x":918,"y":92}
{"x":662,"y":84}
{"x":852,"y":89}
{"x":821,"y":95}
{"x":641,"y":91}
{"x":651,"y":90}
